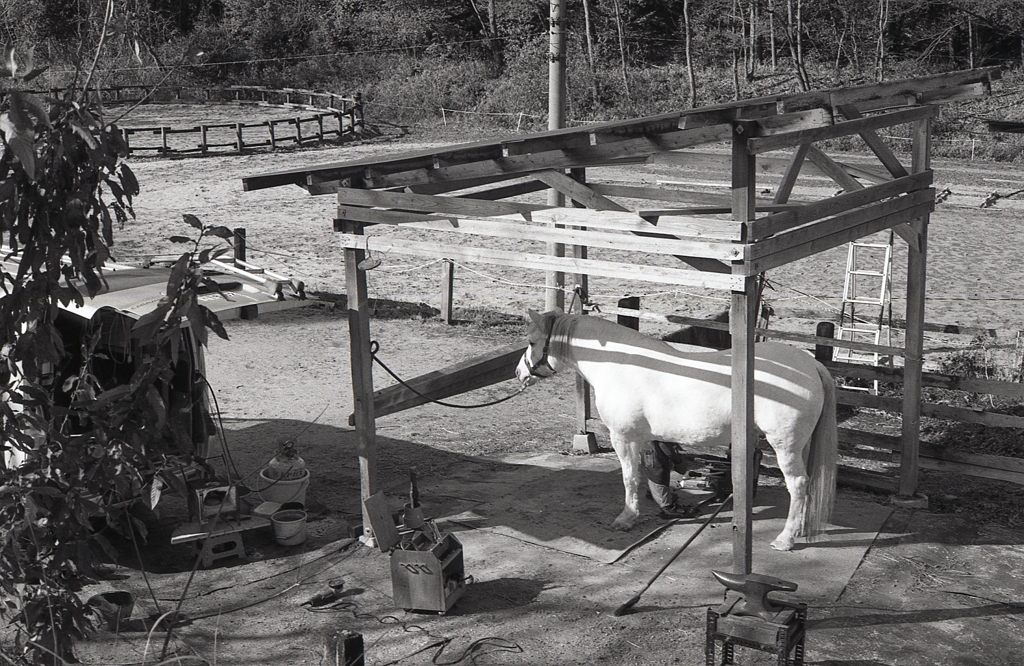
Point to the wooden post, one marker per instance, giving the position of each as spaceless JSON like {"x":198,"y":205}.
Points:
{"x":239,"y":144}
{"x":203,"y":147}
{"x":163,"y":139}
{"x":357,"y":114}
{"x":917,"y":264}
{"x":554,"y":295}
{"x":239,"y":245}
{"x":583,"y":440}
{"x":630,"y":303}
{"x":447,"y":290}
{"x":742,"y":318}
{"x":824,"y":329}
{"x":273,"y":140}
{"x":320,"y":127}
{"x":298,"y":131}
{"x":362,"y":372}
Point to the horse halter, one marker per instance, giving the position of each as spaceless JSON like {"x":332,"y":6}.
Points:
{"x":543,"y":362}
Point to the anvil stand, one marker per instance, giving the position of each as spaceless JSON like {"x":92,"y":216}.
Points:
{"x":749,"y":618}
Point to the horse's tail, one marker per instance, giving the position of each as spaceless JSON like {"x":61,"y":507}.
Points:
{"x":821,"y":463}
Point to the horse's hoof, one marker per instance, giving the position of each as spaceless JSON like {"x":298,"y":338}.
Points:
{"x":782,"y":544}
{"x":622,"y":525}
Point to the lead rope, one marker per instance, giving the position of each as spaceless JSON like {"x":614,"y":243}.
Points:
{"x":375,"y":346}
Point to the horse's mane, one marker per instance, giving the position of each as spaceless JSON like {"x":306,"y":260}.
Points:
{"x":563,"y":329}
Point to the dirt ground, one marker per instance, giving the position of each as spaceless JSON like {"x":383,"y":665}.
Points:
{"x":932,"y":588}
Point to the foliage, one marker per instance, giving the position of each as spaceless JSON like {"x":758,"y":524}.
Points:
{"x":72,"y":452}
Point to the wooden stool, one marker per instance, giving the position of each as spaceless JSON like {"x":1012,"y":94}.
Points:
{"x":750,"y":619}
{"x":218,"y":540}
{"x":218,"y":547}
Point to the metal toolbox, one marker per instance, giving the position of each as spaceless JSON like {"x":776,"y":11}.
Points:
{"x":427,"y":570}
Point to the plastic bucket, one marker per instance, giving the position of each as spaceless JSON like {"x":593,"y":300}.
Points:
{"x":282,"y":490}
{"x":114,"y":607}
{"x":289,"y":527}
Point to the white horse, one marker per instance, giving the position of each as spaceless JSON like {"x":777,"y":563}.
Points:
{"x":646,"y":389}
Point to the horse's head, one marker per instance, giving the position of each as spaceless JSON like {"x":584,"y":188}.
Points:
{"x":537,"y":362}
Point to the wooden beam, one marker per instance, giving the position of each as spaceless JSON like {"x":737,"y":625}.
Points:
{"x":577,"y":191}
{"x":833,"y":170}
{"x":875,"y":143}
{"x":361,"y":370}
{"x":760,"y":145}
{"x":810,"y":212}
{"x":433,"y":204}
{"x":790,"y":176}
{"x":917,"y":271}
{"x":935,"y":85}
{"x":847,"y":235}
{"x":932,"y":379}
{"x":646,"y":273}
{"x":962,"y":414}
{"x":838,"y":223}
{"x":710,"y":203}
{"x":505,"y":227}
{"x":742,"y":321}
{"x":475,"y":373}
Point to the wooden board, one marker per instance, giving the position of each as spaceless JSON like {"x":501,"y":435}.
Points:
{"x":858,"y":399}
{"x":697,"y":236}
{"x":810,"y":212}
{"x":759,"y":145}
{"x":932,"y":379}
{"x":542,"y":262}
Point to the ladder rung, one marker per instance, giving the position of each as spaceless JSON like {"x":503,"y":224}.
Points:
{"x":880,"y":246}
{"x":869,"y":273}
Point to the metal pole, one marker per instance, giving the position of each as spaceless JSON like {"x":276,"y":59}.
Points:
{"x":554,"y":295}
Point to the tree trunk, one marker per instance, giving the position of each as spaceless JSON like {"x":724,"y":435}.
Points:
{"x":496,"y":47}
{"x":622,"y":50}
{"x":771,"y":32}
{"x":690,"y":78}
{"x":752,"y":70}
{"x":970,"y":43}
{"x":794,"y":48}
{"x":883,"y":23}
{"x":590,"y":50}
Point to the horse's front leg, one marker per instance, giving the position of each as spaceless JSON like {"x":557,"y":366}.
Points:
{"x":629,"y":458}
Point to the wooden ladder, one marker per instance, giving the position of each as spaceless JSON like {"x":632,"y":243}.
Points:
{"x":867,"y":303}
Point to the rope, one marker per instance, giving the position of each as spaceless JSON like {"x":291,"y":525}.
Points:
{"x":375,"y":346}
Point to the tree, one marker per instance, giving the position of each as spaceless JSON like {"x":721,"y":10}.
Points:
{"x":63,"y":188}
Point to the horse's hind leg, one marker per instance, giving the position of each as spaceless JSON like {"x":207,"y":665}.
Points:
{"x":794,"y":471}
{"x":629,"y":458}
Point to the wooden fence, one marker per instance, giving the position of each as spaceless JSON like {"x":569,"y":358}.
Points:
{"x":335,"y":116}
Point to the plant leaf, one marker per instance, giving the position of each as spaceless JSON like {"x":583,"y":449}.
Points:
{"x":21,"y":140}
{"x":193,"y":221}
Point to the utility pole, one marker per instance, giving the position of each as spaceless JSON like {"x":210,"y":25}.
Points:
{"x":554,"y":294}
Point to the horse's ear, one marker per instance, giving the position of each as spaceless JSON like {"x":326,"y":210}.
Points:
{"x":535,"y":316}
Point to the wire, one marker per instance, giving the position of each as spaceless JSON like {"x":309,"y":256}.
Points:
{"x":375,"y":346}
{"x":308,"y":56}
{"x":440,"y":642}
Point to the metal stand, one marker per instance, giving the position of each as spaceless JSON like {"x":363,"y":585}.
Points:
{"x":748,"y":618}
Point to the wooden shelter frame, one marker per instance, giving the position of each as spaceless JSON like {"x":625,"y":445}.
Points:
{"x":467,"y":190}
